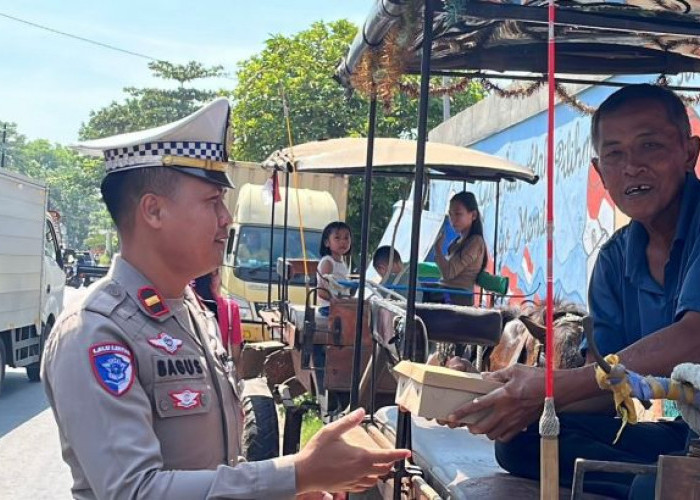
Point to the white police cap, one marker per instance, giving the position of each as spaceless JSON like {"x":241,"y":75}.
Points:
{"x":195,"y":145}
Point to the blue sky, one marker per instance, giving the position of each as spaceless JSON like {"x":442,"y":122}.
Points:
{"x":50,"y":83}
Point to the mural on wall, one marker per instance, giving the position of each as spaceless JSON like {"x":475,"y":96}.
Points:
{"x":584,"y":212}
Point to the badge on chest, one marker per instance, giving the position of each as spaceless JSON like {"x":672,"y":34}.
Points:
{"x":186,"y":399}
{"x":166,"y":343}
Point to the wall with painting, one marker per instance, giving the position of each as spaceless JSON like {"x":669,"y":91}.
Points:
{"x":585,"y":216}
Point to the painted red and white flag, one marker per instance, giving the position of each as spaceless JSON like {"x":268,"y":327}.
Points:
{"x":527,"y":266}
{"x":271,"y":189}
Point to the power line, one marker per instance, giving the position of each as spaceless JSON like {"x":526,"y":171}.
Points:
{"x":76,"y":37}
{"x":88,"y":40}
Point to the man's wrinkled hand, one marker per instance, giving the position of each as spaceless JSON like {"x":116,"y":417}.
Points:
{"x":512,"y":407}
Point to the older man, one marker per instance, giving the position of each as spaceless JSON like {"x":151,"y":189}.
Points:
{"x":146,"y":401}
{"x":644,"y":294}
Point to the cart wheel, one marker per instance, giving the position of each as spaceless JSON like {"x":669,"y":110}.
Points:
{"x":261,"y":437}
{"x":34,"y":370}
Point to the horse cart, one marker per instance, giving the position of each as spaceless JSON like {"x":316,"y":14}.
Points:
{"x":320,"y":351}
{"x":555,"y":42}
{"x":482,"y":41}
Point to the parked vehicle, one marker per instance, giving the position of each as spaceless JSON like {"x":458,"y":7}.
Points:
{"x":31,"y":273}
{"x":246,"y":274}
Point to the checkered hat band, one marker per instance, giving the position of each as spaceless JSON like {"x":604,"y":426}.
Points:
{"x":190,"y":149}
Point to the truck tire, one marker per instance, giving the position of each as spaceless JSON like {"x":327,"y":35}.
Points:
{"x":3,"y":360}
{"x":34,"y":370}
{"x":261,"y":438}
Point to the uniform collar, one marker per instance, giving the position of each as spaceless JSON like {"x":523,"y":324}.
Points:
{"x":140,"y":289}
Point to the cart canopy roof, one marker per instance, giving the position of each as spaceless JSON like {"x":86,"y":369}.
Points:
{"x":593,"y":37}
{"x":396,"y":158}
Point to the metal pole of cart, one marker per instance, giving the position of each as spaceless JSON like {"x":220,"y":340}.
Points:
{"x":404,"y":418}
{"x":285,"y":273}
{"x":364,"y":246}
{"x":492,"y":300}
{"x":272,"y":240}
{"x":495,"y":229}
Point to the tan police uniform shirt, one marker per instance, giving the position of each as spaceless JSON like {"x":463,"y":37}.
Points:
{"x":146,"y":404}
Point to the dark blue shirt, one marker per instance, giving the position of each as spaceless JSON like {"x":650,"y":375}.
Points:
{"x":626,"y":303}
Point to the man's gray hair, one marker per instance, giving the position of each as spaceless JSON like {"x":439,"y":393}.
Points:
{"x":675,"y":109}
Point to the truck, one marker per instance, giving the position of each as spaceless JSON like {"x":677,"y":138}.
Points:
{"x":246,"y":271}
{"x":31,"y":273}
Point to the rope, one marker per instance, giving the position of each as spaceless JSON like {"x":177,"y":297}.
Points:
{"x":549,"y":422}
{"x":626,"y":385}
{"x":295,"y":179}
{"x":617,"y":381}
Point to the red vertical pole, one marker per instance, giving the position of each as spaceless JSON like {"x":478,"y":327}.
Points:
{"x":549,"y":347}
{"x":549,"y":423}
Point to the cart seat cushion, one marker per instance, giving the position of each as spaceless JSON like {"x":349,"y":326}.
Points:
{"x":460,"y":465}
{"x":461,"y":324}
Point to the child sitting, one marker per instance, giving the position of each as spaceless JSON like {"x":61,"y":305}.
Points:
{"x":336,"y":243}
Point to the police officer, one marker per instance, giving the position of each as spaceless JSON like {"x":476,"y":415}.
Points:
{"x":146,"y":402}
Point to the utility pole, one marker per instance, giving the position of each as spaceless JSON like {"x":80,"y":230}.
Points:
{"x":445,"y":100}
{"x":4,"y":139}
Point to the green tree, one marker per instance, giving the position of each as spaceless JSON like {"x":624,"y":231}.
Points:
{"x":11,"y":145}
{"x":151,"y":107}
{"x":72,"y":182}
{"x":302,"y":66}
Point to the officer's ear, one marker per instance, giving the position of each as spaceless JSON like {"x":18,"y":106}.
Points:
{"x":151,"y":209}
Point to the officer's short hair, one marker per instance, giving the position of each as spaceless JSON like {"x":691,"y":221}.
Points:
{"x":122,"y":191}
{"x":382,"y":254}
{"x":675,"y":109}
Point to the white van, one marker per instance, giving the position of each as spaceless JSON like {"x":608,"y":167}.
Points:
{"x":31,"y":273}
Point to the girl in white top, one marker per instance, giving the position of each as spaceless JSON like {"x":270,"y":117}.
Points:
{"x":336,"y":244}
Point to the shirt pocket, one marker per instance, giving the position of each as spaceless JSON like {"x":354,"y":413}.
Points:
{"x":177,"y":399}
{"x":180,"y":386}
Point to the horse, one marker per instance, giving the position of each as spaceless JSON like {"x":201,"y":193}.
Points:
{"x":523,"y":340}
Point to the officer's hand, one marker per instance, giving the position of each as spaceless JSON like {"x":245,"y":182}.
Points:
{"x":329,"y":462}
{"x":513,"y":407}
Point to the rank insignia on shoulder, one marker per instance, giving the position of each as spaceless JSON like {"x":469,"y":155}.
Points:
{"x":166,"y":342}
{"x":152,"y":301}
{"x":113,"y":366}
{"x":187,"y":399}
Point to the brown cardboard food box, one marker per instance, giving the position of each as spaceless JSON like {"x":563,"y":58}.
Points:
{"x":435,"y":392}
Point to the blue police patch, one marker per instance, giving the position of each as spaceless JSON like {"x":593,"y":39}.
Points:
{"x":113,"y":367}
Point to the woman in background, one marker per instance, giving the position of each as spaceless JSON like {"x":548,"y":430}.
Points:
{"x":228,"y":316}
{"x":466,"y":255}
